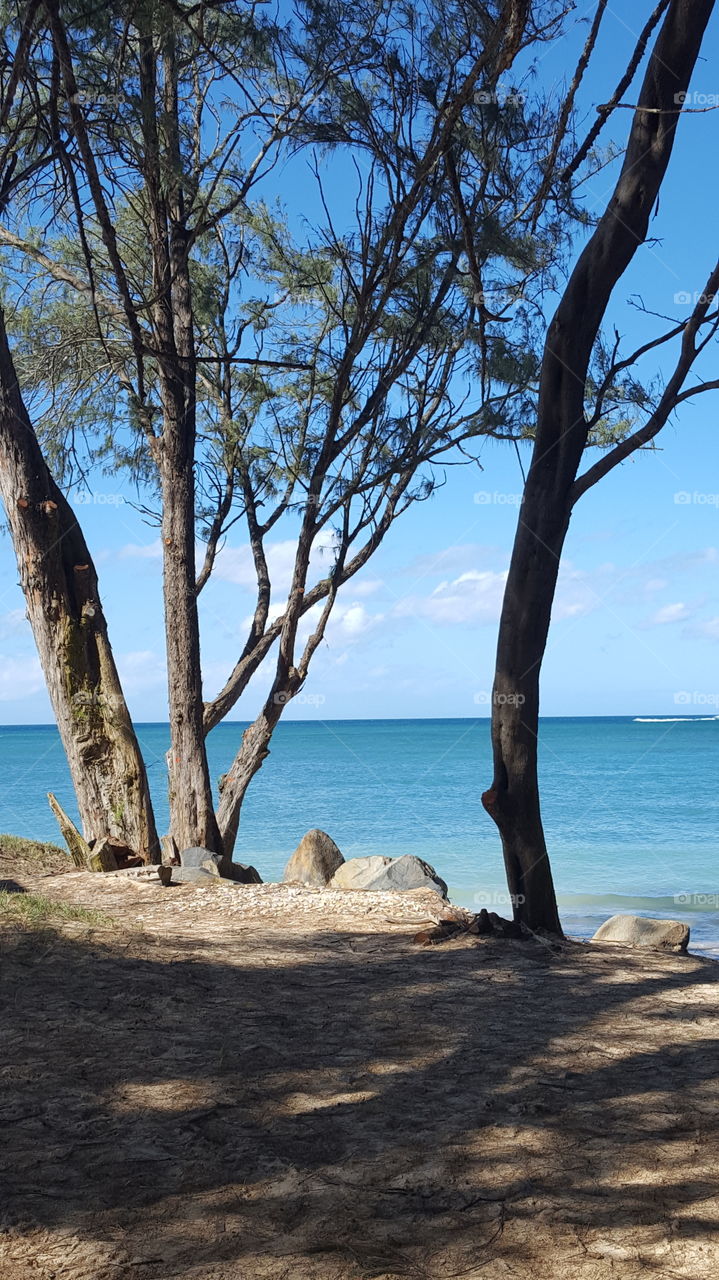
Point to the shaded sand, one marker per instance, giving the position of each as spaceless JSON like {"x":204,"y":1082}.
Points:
{"x":214,"y":1092}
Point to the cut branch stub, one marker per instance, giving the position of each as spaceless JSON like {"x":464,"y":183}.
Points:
{"x":80,"y":851}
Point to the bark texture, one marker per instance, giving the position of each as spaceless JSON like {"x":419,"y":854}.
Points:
{"x":59,"y":582}
{"x":561,"y":437}
{"x":192,"y":813}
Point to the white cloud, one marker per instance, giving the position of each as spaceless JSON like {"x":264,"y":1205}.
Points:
{"x":141,"y":551}
{"x":475,"y":596}
{"x":235,"y":564}
{"x":141,"y":669}
{"x":20,"y":678}
{"x":355,"y":620}
{"x":364,"y":589}
{"x":13,"y":622}
{"x":669,"y":613}
{"x":710,"y":629}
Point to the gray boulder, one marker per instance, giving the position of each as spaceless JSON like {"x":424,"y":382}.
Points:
{"x":358,"y":873}
{"x":213,"y":864}
{"x":192,"y":875}
{"x":243,"y":873}
{"x":199,"y":857}
{"x":409,"y":872}
{"x":640,"y":931}
{"x":314,"y":861}
{"x":381,"y":874}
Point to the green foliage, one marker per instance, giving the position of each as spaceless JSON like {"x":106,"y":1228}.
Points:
{"x":34,"y":911}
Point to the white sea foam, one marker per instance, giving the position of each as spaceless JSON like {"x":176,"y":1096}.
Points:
{"x":672,"y":719}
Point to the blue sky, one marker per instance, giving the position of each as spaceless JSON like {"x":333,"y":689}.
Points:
{"x":636,"y":622}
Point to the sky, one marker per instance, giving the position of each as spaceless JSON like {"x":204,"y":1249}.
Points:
{"x":635,"y":628}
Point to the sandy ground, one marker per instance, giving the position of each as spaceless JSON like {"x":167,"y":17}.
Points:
{"x":283,"y":1085}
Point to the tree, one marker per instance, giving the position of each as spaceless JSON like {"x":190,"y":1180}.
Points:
{"x":356,"y":357}
{"x":56,"y":570}
{"x":59,"y":582}
{"x":576,"y":368}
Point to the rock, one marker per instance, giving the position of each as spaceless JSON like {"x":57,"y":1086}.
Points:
{"x":215,"y":864}
{"x":193,"y":875}
{"x":197,"y":857}
{"x":358,"y":873}
{"x":314,"y":861}
{"x":409,"y":872}
{"x":243,"y":873}
{"x":380,"y":874}
{"x":639,"y":931}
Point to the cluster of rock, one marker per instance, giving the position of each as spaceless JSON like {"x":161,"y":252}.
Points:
{"x":317,"y":863}
{"x":198,"y":865}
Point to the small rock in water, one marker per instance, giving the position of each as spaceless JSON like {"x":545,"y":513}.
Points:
{"x":641,"y":931}
{"x":314,"y":861}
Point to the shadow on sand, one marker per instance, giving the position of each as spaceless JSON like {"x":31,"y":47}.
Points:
{"x":352,"y":1106}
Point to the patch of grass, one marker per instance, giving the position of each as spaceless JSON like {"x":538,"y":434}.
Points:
{"x":32,"y":857}
{"x":19,"y":844}
{"x":34,"y":910}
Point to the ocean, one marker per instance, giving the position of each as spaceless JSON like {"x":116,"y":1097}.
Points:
{"x":630,"y":806}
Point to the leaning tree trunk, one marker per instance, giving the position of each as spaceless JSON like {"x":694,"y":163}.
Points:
{"x":249,"y":760}
{"x":561,"y":437}
{"x":59,"y":582}
{"x":513,"y":799}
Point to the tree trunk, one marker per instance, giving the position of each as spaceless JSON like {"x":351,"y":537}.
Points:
{"x":513,"y":799}
{"x":59,"y":582}
{"x":561,"y":437}
{"x":248,"y":761}
{"x":192,"y":815}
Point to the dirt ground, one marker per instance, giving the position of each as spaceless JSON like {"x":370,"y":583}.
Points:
{"x":204,"y":1091}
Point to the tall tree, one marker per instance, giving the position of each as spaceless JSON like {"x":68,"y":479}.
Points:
{"x":574,"y":396}
{"x":56,"y":570}
{"x":60,"y":586}
{"x":328,"y":373}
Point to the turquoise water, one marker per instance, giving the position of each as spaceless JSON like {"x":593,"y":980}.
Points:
{"x":631,"y":808}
